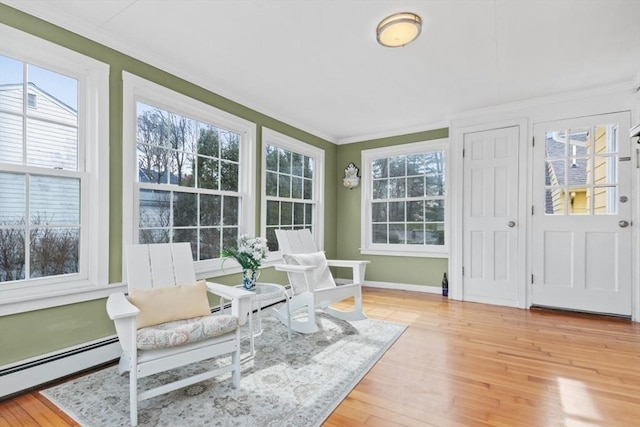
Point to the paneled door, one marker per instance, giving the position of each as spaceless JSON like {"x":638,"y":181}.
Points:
{"x":581,"y":236}
{"x":490,"y":203}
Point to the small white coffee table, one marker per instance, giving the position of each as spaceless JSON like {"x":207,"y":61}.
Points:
{"x":263,"y":292}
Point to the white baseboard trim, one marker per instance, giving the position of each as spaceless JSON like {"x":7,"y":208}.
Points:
{"x":26,"y":374}
{"x":399,"y":286}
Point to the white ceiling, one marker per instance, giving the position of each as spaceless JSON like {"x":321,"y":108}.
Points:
{"x":316,"y":65}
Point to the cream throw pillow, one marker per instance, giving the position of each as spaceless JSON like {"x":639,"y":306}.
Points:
{"x":161,"y":305}
{"x":319,"y":278}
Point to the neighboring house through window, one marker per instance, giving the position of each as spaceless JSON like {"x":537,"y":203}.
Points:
{"x":292,"y":195}
{"x":188,"y":172}
{"x":53,"y":171}
{"x":404,"y":200}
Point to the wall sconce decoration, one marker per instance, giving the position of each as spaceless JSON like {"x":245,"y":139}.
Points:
{"x":351,"y":178}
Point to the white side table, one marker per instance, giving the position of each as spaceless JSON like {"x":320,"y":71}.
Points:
{"x":263,"y":292}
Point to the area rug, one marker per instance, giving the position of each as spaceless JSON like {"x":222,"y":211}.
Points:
{"x":288,"y":383}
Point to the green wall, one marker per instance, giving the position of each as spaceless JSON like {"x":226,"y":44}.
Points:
{"x":394,"y":269}
{"x":30,"y":334}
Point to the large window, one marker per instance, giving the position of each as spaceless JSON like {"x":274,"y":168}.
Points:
{"x":191,"y":169}
{"x":53,"y":106}
{"x":292,"y":191}
{"x":404,"y":200}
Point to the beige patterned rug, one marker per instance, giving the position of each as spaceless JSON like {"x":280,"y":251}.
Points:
{"x":289,"y":383}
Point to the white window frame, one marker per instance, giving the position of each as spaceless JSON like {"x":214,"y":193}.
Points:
{"x":367,"y":156}
{"x":271,"y":137}
{"x":136,"y":89}
{"x":93,"y":169}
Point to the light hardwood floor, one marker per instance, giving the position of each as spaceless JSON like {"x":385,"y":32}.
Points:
{"x":465,"y":364}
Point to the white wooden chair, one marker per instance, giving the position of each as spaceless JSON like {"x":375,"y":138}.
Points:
{"x":312,"y":283}
{"x":162,"y":283}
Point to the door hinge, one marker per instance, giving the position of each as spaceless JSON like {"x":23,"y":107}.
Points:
{"x":463,"y":270}
{"x":532,"y":279}
{"x":463,"y":151}
{"x":531,"y":209}
{"x":533,"y":141}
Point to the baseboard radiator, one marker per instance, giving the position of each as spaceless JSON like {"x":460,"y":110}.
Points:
{"x":27,"y":374}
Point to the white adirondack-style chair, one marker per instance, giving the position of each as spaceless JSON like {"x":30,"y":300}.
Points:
{"x":312,"y":284}
{"x":161,"y":280}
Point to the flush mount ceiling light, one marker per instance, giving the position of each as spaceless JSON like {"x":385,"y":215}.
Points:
{"x":399,"y":29}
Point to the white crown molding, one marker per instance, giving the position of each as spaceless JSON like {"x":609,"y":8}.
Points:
{"x":622,"y":87}
{"x":395,"y":132}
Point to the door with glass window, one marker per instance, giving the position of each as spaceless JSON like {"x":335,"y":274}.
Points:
{"x":581,"y":237}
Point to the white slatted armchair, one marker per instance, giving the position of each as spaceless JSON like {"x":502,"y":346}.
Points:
{"x":165,"y":321}
{"x":312,"y":284}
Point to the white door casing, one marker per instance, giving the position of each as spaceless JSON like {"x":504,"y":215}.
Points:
{"x":490,"y":216}
{"x":581,"y":223}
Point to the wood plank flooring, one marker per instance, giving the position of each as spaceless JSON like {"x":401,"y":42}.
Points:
{"x":465,"y":364}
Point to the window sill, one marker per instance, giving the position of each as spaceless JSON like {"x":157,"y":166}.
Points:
{"x":406,"y":253}
{"x":22,"y":304}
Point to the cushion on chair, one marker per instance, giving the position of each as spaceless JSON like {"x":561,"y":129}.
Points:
{"x":160,"y":305}
{"x":181,"y":332}
{"x":319,"y":278}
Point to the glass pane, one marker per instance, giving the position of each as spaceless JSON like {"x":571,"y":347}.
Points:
{"x":434,"y":163}
{"x":415,"y":211}
{"x":434,"y":234}
{"x":296,"y":188}
{"x":397,"y":166}
{"x":379,"y":233}
{"x":54,"y":251}
{"x":12,"y":199}
{"x":210,"y":243}
{"x":156,"y":235}
{"x":54,"y":200}
{"x":152,"y":126}
{"x":397,"y":234}
{"x":286,"y":213}
{"x":188,"y":235}
{"x":272,"y":158}
{"x":415,"y":186}
{"x":434,"y":210}
{"x":396,"y":211}
{"x":152,"y":164}
{"x":415,"y":234}
{"x":57,"y":93}
{"x":379,"y":212}
{"x":298,"y":213}
{"x":231,"y":211}
{"x":284,"y":186}
{"x":308,"y":167}
{"x":397,"y":188}
{"x":12,"y":261}
{"x":381,"y":189}
{"x":435,"y":185}
{"x":605,"y":170}
{"x":229,"y":237}
{"x":208,"y":173}
{"x":230,"y":145}
{"x":271,"y":184}
{"x":155,"y":208}
{"x":272,"y":241}
{"x":182,"y":133}
{"x":605,"y":200}
{"x":52,"y":145}
{"x":297,"y":165}
{"x":578,"y":144}
{"x":577,"y":172}
{"x":10,"y":138}
{"x":415,"y":164}
{"x":210,"y":210}
{"x":185,"y":209}
{"x":181,"y":165}
{"x":379,"y":168}
{"x":308,"y":189}
{"x":555,"y":145}
{"x":229,"y":176}
{"x":11,"y":76}
{"x":284,"y":157}
{"x":555,"y":202}
{"x":606,"y":139}
{"x":308,"y":215}
{"x":208,"y":140}
{"x":555,"y":172}
{"x":273,"y":213}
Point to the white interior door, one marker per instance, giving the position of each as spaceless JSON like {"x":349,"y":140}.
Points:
{"x":581,"y":236}
{"x":490,"y":237}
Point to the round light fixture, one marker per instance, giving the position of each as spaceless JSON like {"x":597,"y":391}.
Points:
{"x":399,"y":29}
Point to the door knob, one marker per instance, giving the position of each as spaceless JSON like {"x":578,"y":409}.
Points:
{"x":511,"y":224}
{"x":623,"y":223}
